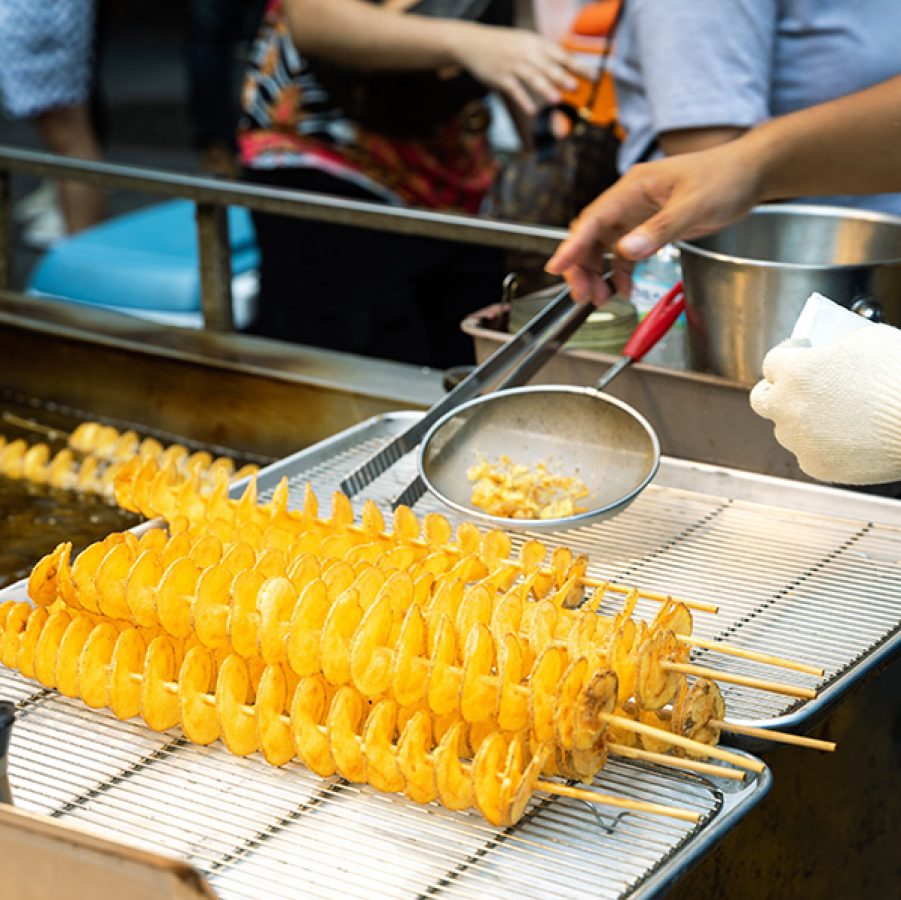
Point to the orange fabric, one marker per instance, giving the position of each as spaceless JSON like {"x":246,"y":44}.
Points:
{"x":596,"y":19}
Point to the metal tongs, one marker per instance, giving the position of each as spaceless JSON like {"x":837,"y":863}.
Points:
{"x":524,"y":355}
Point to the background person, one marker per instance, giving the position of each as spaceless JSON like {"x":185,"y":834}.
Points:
{"x":692,"y":75}
{"x":364,"y":291}
{"x":45,"y":75}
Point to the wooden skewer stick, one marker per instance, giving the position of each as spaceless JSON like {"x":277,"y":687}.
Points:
{"x":782,"y":737}
{"x":676,"y":762}
{"x":565,"y":790}
{"x":678,"y":740}
{"x":649,"y":595}
{"x":760,"y":684}
{"x":732,"y":650}
{"x":31,"y":425}
{"x":589,"y":796}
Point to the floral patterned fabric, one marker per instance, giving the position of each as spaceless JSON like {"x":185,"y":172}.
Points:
{"x":288,"y":120}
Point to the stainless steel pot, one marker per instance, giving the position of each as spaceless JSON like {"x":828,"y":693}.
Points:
{"x":745,"y":285}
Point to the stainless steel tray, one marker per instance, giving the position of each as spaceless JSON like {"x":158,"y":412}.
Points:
{"x":257,"y":831}
{"x":797,"y":570}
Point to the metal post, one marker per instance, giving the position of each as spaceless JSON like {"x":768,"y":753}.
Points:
{"x":215,"y":267}
{"x":6,"y":232}
{"x":7,"y":714}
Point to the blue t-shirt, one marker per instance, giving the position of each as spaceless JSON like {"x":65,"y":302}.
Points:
{"x":702,"y":63}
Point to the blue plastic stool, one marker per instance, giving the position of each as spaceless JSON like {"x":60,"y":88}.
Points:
{"x":145,"y":264}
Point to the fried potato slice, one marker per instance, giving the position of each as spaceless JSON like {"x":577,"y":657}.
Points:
{"x":305,"y":634}
{"x":16,"y":622}
{"x":436,"y":530}
{"x":656,"y":686}
{"x":495,"y":548}
{"x":446,"y":677}
{"x":239,"y":556}
{"x":73,"y":640}
{"x":308,"y":707}
{"x":585,"y":764}
{"x":110,"y":581}
{"x":593,"y":704}
{"x":343,"y":723}
{"x":453,"y":782}
{"x":512,"y":697}
{"x":479,"y":687}
{"x":84,"y":572}
{"x":234,"y":699}
{"x":382,"y":770}
{"x":543,"y":683}
{"x":413,"y":759}
{"x":211,"y":606}
{"x":28,"y":640}
{"x":693,"y":709}
{"x":571,"y":686}
{"x":370,"y":659}
{"x":43,"y":587}
{"x":142,"y":587}
{"x":47,"y":647}
{"x":303,"y":569}
{"x":475,"y":608}
{"x":175,"y":596}
{"x":276,"y":599}
{"x":338,"y":576}
{"x":490,"y":760}
{"x":673,"y":616}
{"x":406,"y":525}
{"x":507,"y":616}
{"x":159,"y":684}
{"x":337,"y":632}
{"x":196,"y":696}
{"x":410,"y":668}
{"x":271,"y":562}
{"x":244,"y":620}
{"x":273,"y":725}
{"x":94,"y":665}
{"x":372,"y":520}
{"x":469,"y":539}
{"x":623,"y":659}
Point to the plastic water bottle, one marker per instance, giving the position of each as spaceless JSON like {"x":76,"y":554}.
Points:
{"x":651,"y":279}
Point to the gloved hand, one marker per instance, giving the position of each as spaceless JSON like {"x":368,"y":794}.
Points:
{"x":838,"y":407}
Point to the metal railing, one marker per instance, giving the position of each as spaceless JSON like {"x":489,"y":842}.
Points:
{"x":212,"y":197}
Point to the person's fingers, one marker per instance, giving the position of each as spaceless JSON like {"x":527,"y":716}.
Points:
{"x":600,"y":290}
{"x":539,"y":84}
{"x":780,"y":357}
{"x":622,"y":276}
{"x":579,"y":286}
{"x":518,"y":94}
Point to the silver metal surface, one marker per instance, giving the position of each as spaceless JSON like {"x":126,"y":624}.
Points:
{"x":798,"y":570}
{"x":256,"y":831}
{"x":534,"y":343}
{"x":745,"y":285}
{"x":576,"y":432}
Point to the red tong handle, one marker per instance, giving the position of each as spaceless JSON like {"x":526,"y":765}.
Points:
{"x":656,"y":323}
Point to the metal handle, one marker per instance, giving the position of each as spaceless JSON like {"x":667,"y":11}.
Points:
{"x":868,"y":307}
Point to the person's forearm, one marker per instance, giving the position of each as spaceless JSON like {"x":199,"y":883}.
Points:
{"x":847,"y":146}
{"x":360,"y":34}
{"x":691,"y":140}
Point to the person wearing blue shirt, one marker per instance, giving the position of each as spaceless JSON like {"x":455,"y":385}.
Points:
{"x":691,"y":75}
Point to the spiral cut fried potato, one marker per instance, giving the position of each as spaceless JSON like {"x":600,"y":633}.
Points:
{"x":254,"y":706}
{"x":96,"y":453}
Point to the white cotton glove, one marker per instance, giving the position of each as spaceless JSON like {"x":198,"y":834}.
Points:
{"x":837,"y":407}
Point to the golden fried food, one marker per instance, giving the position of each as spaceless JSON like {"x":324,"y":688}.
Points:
{"x":517,"y":491}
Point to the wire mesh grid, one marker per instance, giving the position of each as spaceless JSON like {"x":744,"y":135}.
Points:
{"x":259,"y":831}
{"x":816,"y":588}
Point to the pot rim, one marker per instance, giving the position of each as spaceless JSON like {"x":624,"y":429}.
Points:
{"x":689,"y":247}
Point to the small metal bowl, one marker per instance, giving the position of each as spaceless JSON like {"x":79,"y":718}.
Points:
{"x":577,"y":431}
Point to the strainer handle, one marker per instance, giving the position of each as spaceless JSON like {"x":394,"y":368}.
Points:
{"x":656,"y":323}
